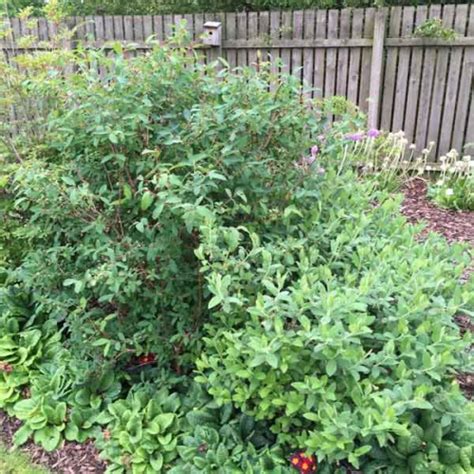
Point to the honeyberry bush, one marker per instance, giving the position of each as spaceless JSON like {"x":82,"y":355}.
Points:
{"x":196,"y":291}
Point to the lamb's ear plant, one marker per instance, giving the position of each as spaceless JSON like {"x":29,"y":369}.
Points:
{"x":140,"y":433}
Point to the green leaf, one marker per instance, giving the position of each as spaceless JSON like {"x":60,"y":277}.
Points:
{"x":165,"y":420}
{"x":22,"y":435}
{"x":147,"y":200}
{"x":331,"y":367}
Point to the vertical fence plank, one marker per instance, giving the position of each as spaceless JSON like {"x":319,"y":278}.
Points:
{"x":118,"y":28}
{"x":453,"y":83}
{"x":242,"y":35}
{"x":468,"y":137}
{"x":158,"y":30}
{"x":286,"y":31}
{"x":331,"y":55}
{"x":414,"y":80}
{"x":366,"y":60}
{"x":252,"y":33}
{"x":439,"y":86}
{"x":99,"y":27}
{"x":138,"y":28}
{"x":308,"y":53}
{"x":263,"y":34}
{"x":147,"y":26}
{"x":391,"y":62}
{"x":320,"y":54}
{"x":355,"y":56}
{"x":297,"y":53}
{"x":376,"y":69}
{"x":468,"y":143}
{"x":343,"y":53}
{"x":128,"y":34}
{"x":275,"y":54}
{"x":230,"y":34}
{"x":404,"y":55}
{"x":426,"y":87}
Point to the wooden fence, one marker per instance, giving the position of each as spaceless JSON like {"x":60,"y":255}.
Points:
{"x":371,"y":56}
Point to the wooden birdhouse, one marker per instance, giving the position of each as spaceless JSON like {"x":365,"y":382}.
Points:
{"x":212,"y":33}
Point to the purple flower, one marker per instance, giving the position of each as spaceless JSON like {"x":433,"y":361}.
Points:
{"x":309,"y":160}
{"x":373,"y":133}
{"x":355,"y":137}
{"x":314,"y":151}
{"x":321,"y":170}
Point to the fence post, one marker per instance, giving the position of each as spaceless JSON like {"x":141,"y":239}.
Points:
{"x":376,"y":68}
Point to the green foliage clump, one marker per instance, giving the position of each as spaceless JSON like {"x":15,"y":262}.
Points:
{"x":190,"y":222}
{"x":153,"y":7}
{"x":454,"y":187}
{"x":141,"y":432}
{"x":434,"y":28}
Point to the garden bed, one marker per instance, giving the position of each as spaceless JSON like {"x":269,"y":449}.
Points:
{"x":455,"y":226}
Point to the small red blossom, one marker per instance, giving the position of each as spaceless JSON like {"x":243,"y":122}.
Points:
{"x":304,"y":464}
{"x":6,"y":367}
{"x":147,"y":359}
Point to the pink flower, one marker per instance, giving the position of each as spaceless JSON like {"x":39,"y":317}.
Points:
{"x":373,"y":133}
{"x":314,"y":151}
{"x":355,"y":137}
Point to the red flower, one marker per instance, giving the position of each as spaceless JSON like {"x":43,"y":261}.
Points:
{"x":147,"y":359}
{"x":6,"y":367}
{"x":304,"y":464}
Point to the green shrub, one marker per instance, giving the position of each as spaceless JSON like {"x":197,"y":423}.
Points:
{"x":147,"y":7}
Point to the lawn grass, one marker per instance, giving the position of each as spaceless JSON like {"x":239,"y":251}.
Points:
{"x":15,"y":462}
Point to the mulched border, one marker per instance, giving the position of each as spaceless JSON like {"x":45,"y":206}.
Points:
{"x":71,"y":458}
{"x":75,"y":458}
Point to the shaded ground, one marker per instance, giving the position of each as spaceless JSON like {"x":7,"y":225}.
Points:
{"x":72,"y":458}
{"x":75,"y":458}
{"x":17,"y":463}
{"x":454,"y":225}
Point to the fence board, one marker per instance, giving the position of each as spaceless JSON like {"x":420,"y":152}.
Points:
{"x":366,"y":60}
{"x":403,"y":70}
{"x":426,"y":90}
{"x":343,"y":53}
{"x":252,"y":33}
{"x":297,"y":53}
{"x":263,"y":32}
{"x":414,"y":80}
{"x":286,"y":30}
{"x":465,"y":85}
{"x":446,"y":132}
{"x":439,"y":86}
{"x":331,"y":55}
{"x":308,"y":53}
{"x":390,"y":75}
{"x":242,"y":59}
{"x":355,"y":56}
{"x":230,"y":34}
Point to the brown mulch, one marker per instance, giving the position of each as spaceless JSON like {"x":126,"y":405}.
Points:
{"x":455,"y":226}
{"x":72,"y":458}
